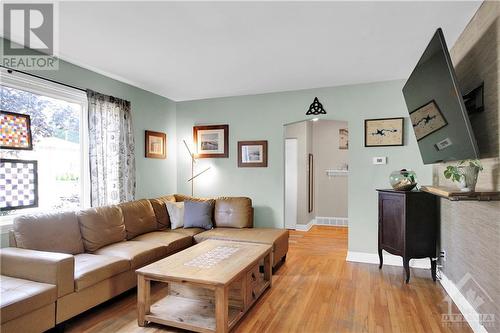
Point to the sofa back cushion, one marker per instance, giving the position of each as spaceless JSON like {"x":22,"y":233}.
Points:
{"x":139,"y":217}
{"x":160,"y":209}
{"x":101,"y":226}
{"x":182,"y":197}
{"x":54,"y":232}
{"x":233,"y":212}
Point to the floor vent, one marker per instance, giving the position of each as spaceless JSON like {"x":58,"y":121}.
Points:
{"x":334,"y":221}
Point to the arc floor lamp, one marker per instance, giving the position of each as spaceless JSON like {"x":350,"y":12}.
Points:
{"x":193,"y":162}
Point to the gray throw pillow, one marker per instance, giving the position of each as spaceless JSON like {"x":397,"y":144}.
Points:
{"x":198,"y":214}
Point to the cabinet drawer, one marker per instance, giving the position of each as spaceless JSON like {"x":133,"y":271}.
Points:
{"x":255,"y":283}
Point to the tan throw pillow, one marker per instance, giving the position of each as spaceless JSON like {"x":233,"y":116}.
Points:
{"x":176,"y":213}
{"x":101,"y":226}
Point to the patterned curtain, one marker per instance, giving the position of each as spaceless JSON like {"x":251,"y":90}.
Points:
{"x":112,"y":152}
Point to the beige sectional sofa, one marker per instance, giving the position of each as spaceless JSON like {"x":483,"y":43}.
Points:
{"x":62,"y":264}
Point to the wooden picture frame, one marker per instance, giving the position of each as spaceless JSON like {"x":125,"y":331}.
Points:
{"x":5,"y":172}
{"x":427,"y":119}
{"x":23,"y":123}
{"x":252,"y":154}
{"x":384,"y":132}
{"x":310,"y":185}
{"x":211,"y":141}
{"x":156,"y":145}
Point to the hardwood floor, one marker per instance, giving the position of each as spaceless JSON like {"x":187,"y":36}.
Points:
{"x":316,"y":290}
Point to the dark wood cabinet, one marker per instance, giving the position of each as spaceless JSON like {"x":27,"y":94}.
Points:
{"x":407,"y":226}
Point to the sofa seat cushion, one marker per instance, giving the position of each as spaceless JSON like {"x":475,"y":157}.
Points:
{"x":278,"y":238}
{"x":19,"y":297}
{"x":91,"y":269}
{"x":173,"y":241}
{"x":139,"y":217}
{"x":138,"y":253}
{"x":36,"y":232}
{"x":188,"y":231}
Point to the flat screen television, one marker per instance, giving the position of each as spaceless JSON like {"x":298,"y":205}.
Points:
{"x":437,"y":110}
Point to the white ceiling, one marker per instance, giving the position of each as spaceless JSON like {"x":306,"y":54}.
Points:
{"x":188,"y":50}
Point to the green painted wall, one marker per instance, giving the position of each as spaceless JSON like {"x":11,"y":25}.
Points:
{"x":261,"y":117}
{"x":150,"y":112}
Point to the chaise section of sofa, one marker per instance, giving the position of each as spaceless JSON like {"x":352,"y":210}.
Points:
{"x":31,"y":282}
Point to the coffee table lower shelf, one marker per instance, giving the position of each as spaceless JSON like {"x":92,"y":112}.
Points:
{"x":190,"y":314}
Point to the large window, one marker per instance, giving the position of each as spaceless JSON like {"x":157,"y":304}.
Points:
{"x":59,"y":129}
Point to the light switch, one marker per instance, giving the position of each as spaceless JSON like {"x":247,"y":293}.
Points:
{"x":380,"y":160}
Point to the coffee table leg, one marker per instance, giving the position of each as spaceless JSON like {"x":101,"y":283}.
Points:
{"x":221,"y":310}
{"x":143,"y":303}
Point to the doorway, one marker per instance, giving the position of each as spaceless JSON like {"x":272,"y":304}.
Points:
{"x":316,"y":173}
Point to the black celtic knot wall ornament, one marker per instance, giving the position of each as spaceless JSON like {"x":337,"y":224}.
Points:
{"x":315,"y":108}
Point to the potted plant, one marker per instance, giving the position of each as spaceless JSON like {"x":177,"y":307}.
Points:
{"x":465,"y":173}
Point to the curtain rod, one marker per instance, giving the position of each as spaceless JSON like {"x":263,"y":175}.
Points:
{"x":10,"y":70}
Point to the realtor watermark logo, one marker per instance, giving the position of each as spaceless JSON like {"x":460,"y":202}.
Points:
{"x":476,"y":297}
{"x":29,"y":36}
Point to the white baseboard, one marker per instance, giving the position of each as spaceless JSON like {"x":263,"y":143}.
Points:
{"x":305,"y":227}
{"x":468,"y":312}
{"x":319,"y":220}
{"x":389,"y":259}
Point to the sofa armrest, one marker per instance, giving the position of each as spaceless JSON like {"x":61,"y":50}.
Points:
{"x":40,"y":266}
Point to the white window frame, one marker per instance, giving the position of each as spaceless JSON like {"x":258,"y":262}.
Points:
{"x":47,"y":88}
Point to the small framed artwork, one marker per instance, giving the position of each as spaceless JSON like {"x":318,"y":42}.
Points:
{"x":252,"y":154}
{"x":384,"y":132}
{"x":427,"y":119}
{"x":211,"y":141}
{"x":15,"y":131}
{"x":18,"y":184}
{"x":343,"y":139}
{"x":156,"y":145}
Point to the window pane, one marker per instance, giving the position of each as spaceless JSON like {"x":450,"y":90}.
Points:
{"x":55,"y":127}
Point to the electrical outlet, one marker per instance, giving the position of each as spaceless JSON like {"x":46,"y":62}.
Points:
{"x":442,"y":255}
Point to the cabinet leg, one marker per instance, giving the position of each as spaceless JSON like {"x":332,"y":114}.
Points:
{"x":433,"y":269}
{"x":381,"y":259}
{"x":406,"y":265}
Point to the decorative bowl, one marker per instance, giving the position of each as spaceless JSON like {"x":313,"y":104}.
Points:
{"x":403,"y":180}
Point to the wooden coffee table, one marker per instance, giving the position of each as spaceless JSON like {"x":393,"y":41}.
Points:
{"x":211,"y":285}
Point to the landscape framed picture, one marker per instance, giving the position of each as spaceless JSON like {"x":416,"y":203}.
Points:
{"x":156,"y":145}
{"x":211,"y":141}
{"x":384,"y":132}
{"x":252,"y":154}
{"x":427,"y":119}
{"x":15,"y":131}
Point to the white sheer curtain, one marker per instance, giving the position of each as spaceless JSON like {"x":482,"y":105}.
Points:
{"x":112,"y":150}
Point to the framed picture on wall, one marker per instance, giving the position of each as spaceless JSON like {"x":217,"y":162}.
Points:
{"x":343,"y":139}
{"x":19,"y":182}
{"x":156,"y":145}
{"x":211,"y":141}
{"x":252,"y":154}
{"x":15,"y":131}
{"x":427,"y":119}
{"x":384,"y":132}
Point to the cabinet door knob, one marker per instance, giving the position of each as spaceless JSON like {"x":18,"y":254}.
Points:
{"x":253,"y":276}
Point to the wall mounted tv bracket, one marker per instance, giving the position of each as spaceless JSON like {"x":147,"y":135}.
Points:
{"x":474,"y":100}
